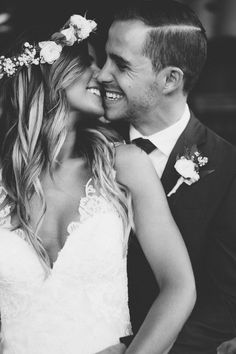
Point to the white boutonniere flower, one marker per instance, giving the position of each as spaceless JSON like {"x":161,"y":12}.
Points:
{"x":50,"y":51}
{"x":188,"y":167}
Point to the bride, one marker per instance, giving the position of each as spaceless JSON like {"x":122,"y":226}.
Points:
{"x":66,"y":192}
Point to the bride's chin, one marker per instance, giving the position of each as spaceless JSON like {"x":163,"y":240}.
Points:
{"x":99,"y":112}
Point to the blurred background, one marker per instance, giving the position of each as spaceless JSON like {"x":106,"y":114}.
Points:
{"x":214,"y":98}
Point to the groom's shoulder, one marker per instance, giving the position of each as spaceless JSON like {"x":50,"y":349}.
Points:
{"x":212,"y":137}
{"x":219,"y":148}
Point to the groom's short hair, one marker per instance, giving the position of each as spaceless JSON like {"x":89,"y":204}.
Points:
{"x":176,"y":36}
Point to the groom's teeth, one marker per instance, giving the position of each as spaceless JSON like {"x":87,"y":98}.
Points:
{"x":94,"y":91}
{"x":113,"y":95}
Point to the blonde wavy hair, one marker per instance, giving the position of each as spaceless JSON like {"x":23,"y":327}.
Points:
{"x":34,"y":112}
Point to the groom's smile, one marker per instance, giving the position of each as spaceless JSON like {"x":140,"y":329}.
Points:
{"x":112,"y":96}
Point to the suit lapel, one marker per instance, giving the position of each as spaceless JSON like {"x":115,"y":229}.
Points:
{"x":194,"y":133}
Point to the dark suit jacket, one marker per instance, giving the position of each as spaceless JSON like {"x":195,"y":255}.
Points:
{"x":205,"y":213}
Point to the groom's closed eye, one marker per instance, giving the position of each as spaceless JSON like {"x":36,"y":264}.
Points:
{"x":121,"y":63}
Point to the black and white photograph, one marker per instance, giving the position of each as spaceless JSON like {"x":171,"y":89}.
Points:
{"x":118,"y":177}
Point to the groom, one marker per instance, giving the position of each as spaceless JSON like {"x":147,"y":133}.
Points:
{"x":155,"y":53}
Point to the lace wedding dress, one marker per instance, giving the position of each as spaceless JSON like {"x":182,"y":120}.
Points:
{"x":82,"y":306}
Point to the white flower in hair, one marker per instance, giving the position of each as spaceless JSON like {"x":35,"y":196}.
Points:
{"x":50,"y":51}
{"x":74,"y":31}
{"x":93,"y":25}
{"x":78,"y":21}
{"x":85,"y":32}
{"x":83,"y":26}
{"x":9,"y":67}
{"x":69,"y":33}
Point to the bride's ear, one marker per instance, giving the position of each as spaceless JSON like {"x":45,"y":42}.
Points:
{"x":173,"y":79}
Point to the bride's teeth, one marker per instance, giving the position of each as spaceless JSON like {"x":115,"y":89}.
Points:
{"x":94,"y":91}
{"x":113,"y":96}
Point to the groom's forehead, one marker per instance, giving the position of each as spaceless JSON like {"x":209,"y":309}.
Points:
{"x":127,"y":34}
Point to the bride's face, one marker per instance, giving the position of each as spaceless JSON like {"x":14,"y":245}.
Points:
{"x":84,"y":94}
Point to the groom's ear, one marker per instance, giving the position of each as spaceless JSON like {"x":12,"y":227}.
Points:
{"x":173,"y":79}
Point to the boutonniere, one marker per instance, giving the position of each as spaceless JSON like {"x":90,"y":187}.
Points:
{"x":188,"y":167}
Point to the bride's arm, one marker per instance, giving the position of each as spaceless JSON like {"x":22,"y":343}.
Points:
{"x":164,"y":249}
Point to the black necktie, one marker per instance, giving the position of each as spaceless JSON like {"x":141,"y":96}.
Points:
{"x":144,"y":144}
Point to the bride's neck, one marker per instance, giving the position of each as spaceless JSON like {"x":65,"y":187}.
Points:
{"x":67,"y":149}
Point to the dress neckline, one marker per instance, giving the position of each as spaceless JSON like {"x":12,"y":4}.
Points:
{"x":93,"y":201}
{"x":90,"y":192}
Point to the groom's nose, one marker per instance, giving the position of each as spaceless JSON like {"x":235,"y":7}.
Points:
{"x":105,"y":74}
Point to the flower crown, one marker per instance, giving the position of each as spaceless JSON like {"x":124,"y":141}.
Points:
{"x":76,"y":29}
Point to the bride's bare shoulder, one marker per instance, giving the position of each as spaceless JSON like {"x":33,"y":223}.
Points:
{"x":132,"y":163}
{"x":131,"y":154}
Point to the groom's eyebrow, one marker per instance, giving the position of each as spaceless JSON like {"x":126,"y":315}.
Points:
{"x":119,"y":59}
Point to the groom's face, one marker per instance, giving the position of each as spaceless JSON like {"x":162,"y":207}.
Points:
{"x":131,"y":86}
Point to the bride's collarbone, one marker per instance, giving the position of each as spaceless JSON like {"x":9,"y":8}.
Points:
{"x":61,"y":210}
{"x":62,"y":194}
{"x":67,"y":184}
{"x":66,"y":176}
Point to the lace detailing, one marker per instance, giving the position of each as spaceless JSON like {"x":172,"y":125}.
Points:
{"x":91,"y":205}
{"x":20,"y":233}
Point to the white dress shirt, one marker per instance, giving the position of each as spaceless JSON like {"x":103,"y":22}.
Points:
{"x":164,"y":140}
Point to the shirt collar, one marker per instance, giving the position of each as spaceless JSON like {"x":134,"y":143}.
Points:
{"x":165,"y":139}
